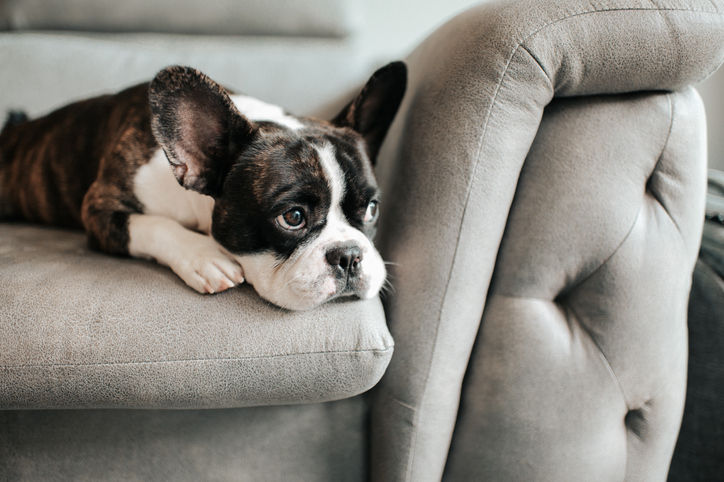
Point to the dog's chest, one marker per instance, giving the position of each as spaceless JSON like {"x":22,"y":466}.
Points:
{"x":160,"y":193}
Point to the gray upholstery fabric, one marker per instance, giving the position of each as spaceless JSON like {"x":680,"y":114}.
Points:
{"x":321,"y":18}
{"x":579,"y":368}
{"x":43,"y":71}
{"x":320,"y":442}
{"x":477,"y":91}
{"x":83,"y":329}
{"x":449,"y":170}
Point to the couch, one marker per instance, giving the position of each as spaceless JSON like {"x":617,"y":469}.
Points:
{"x":544,"y":186}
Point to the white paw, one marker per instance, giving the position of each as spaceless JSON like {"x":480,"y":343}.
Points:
{"x":196,"y":258}
{"x":207,"y":269}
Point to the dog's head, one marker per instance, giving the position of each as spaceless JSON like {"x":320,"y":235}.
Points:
{"x":296,"y":200}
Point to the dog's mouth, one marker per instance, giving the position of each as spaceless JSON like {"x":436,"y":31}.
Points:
{"x":305,"y":295}
{"x":348,"y":289}
{"x":309,"y":285}
{"x":343,"y":298}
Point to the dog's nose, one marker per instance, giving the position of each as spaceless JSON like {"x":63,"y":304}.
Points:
{"x":345,"y":259}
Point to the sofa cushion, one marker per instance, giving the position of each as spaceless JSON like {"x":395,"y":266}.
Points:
{"x":83,"y":329}
{"x":321,"y":18}
{"x":45,"y":70}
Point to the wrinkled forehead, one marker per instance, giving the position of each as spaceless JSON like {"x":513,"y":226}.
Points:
{"x":322,"y":161}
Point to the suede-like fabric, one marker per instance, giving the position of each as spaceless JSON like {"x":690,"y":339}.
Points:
{"x":86,"y":330}
{"x":477,"y":90}
{"x":449,"y":171}
{"x":579,"y":368}
{"x":321,"y":18}
{"x":320,"y":442}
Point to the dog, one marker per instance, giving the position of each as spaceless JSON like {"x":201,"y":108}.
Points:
{"x":221,"y":188}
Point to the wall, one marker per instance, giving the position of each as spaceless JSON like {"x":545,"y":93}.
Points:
{"x":712,"y":92}
{"x":395,"y":27}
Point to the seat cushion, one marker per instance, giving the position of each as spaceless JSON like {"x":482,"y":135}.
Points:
{"x":83,"y":329}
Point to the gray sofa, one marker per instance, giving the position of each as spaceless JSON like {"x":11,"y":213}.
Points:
{"x":544,"y":190}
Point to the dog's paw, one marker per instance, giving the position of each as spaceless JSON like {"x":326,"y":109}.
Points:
{"x":207,"y":269}
{"x":211,"y":275}
{"x":196,"y":258}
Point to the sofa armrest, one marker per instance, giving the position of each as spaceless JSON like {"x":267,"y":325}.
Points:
{"x":477,"y":90}
{"x":86,"y":330}
{"x":579,"y":366}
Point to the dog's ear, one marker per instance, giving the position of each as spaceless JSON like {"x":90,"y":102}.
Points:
{"x":197,"y":125}
{"x":373,"y":110}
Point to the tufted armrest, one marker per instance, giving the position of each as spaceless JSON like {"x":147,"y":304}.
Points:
{"x":478,"y":88}
{"x":579,"y":367}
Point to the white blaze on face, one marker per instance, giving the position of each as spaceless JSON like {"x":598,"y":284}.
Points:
{"x":306,"y":279}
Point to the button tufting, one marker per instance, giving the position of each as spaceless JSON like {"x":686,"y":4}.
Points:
{"x":636,"y":420}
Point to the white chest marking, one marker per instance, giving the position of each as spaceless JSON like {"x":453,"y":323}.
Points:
{"x":256,"y":110}
{"x":156,"y":187}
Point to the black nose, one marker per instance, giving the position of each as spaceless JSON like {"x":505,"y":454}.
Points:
{"x":345,"y":259}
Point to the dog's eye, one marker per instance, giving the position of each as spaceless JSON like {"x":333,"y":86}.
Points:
{"x":373,"y":210}
{"x":292,"y":220}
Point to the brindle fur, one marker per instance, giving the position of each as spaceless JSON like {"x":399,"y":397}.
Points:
{"x":61,"y":169}
{"x":76,"y":166}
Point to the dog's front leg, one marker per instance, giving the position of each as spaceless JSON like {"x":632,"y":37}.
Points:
{"x":196,"y":258}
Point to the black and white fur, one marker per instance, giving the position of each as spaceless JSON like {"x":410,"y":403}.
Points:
{"x":221,"y":188}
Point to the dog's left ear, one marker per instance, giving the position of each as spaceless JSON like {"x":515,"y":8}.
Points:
{"x":372,"y":111}
{"x":198,"y":126}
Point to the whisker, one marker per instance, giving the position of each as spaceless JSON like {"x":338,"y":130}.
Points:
{"x":287,"y":283}
{"x":388,"y":287}
{"x":303,"y":297}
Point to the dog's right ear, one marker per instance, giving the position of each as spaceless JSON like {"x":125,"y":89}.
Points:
{"x":198,"y":126}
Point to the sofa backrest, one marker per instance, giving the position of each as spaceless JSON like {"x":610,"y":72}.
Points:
{"x":318,"y":18}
